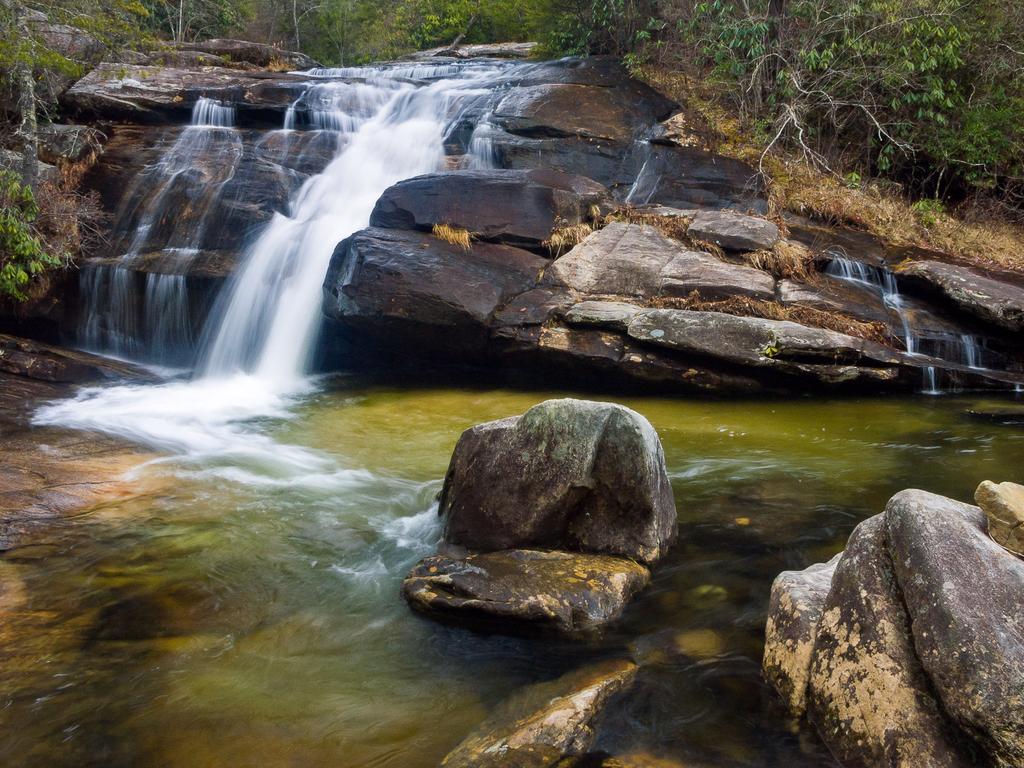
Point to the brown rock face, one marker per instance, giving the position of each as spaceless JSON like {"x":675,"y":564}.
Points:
{"x":564,"y":592}
{"x":517,"y":207}
{"x":567,"y":474}
{"x":35,"y":360}
{"x":1003,"y":504}
{"x":868,"y":694}
{"x":549,"y":719}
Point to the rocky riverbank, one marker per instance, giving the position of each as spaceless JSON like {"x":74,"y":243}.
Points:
{"x":906,"y":649}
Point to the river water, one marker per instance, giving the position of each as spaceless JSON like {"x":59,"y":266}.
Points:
{"x":249,"y":614}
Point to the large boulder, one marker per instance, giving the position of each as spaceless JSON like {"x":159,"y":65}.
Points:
{"x":413,"y":287}
{"x":564,"y":592}
{"x":998,"y":302}
{"x":517,"y":207}
{"x":965,"y":597}
{"x":544,"y":721}
{"x":868,"y":694}
{"x":917,"y":653}
{"x":637,"y":260}
{"x":567,"y":474}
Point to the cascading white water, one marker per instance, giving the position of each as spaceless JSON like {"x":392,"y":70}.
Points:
{"x":145,"y":313}
{"x":961,"y":349}
{"x":391,"y":123}
{"x":393,"y":131}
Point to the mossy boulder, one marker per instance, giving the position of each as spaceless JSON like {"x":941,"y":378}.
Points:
{"x":568,"y":474}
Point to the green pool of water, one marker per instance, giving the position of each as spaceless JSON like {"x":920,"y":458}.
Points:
{"x":220,"y":624}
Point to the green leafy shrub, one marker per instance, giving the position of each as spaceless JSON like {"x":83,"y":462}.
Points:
{"x":23,"y":255}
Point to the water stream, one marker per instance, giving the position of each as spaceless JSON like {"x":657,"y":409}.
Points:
{"x":959,"y":348}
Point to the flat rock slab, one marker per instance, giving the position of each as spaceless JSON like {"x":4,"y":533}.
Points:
{"x":734,"y":231}
{"x":525,"y":590}
{"x":517,"y":207}
{"x":544,"y":720}
{"x":567,"y":474}
{"x":153,"y":94}
{"x":753,"y":341}
{"x":603,"y":314}
{"x":45,"y":362}
{"x":637,"y":260}
{"x":996,"y":302}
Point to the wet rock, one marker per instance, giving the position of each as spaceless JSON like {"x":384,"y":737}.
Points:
{"x":869,"y":696}
{"x":258,"y":54}
{"x":567,"y":474}
{"x":688,"y":177}
{"x":410,"y":287}
{"x":993,"y":301}
{"x":1002,"y":413}
{"x":551,"y":717}
{"x":516,"y":207}
{"x":794,"y":610}
{"x":1003,"y":505}
{"x":734,"y":231}
{"x":157,"y":94}
{"x":526,"y":590}
{"x":637,"y":260}
{"x":35,"y":360}
{"x":607,"y":314}
{"x":965,"y":596}
{"x":754,"y":341}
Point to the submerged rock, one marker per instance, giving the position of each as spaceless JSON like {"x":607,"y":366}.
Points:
{"x":517,"y":207}
{"x":567,"y":474}
{"x":1003,"y":504}
{"x":564,"y":592}
{"x":545,"y":721}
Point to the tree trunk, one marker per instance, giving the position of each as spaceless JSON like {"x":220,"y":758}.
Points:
{"x":28,"y":129}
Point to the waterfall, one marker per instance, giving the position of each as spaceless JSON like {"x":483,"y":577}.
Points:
{"x":267,"y":321}
{"x":390,"y":123}
{"x":119,"y":315}
{"x":958,"y":348}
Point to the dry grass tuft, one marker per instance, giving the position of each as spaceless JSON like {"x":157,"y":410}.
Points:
{"x":278,"y":64}
{"x":566,"y":238}
{"x":453,"y":235}
{"x":671,"y":226}
{"x":770,"y":310}
{"x":786,"y":260}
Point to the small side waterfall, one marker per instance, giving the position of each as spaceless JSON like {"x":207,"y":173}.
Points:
{"x":959,"y":348}
{"x":138,"y":306}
